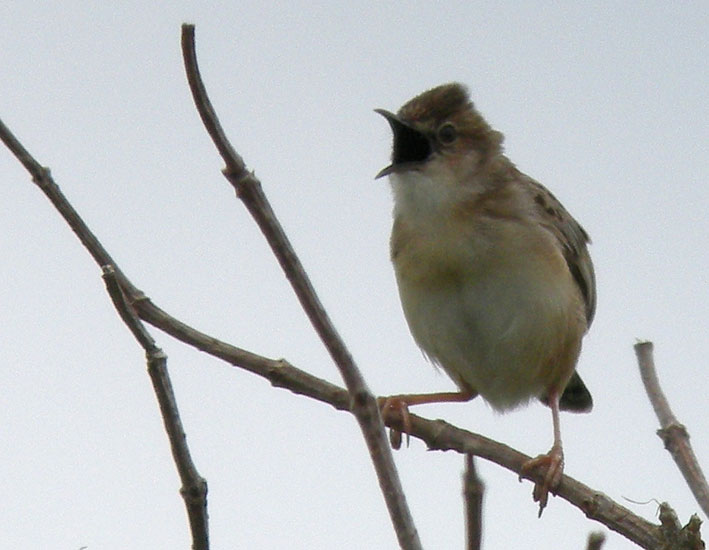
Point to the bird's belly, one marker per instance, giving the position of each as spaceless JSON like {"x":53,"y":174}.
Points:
{"x":509,"y":332}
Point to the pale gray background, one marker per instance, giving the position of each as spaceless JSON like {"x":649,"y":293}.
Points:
{"x":606,"y":105}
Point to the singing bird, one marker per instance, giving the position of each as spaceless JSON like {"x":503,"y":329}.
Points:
{"x":494,"y":275}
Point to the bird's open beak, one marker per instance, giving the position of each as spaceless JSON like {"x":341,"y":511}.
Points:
{"x":411,"y":147}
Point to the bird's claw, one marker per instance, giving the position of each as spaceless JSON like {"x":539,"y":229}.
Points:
{"x":547,"y":471}
{"x":396,"y":405}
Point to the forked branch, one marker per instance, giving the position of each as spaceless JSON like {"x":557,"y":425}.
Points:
{"x":194,"y":486}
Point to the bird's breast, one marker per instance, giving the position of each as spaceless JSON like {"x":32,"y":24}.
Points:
{"x":491,"y":300}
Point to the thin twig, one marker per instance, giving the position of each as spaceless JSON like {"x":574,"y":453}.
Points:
{"x":363,"y":404}
{"x":194,"y":486}
{"x":672,"y":431}
{"x":473,"y":491}
{"x":43,"y":178}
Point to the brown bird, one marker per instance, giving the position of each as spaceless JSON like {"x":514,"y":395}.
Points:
{"x":494,"y":275}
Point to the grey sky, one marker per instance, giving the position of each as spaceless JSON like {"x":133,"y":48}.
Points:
{"x":606,"y":106}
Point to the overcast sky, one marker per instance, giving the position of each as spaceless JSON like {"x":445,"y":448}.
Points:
{"x":605,"y":105}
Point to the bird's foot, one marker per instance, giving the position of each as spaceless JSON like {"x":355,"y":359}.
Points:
{"x":547,"y":470}
{"x":396,"y":405}
{"x":399,"y":404}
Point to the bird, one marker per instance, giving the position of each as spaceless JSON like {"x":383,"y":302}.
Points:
{"x":494,"y":275}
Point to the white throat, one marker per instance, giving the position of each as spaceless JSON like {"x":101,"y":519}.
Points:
{"x":418,"y":196}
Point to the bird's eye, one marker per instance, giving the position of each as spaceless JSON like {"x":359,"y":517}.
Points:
{"x":447,"y":133}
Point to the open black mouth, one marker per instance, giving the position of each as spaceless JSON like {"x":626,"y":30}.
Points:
{"x":410,"y":145}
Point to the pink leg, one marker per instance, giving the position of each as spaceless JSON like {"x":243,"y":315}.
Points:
{"x":401,"y":403}
{"x":552,"y":462}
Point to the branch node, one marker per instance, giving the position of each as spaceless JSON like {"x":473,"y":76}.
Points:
{"x":676,"y":537}
{"x":42,"y":177}
{"x":673,"y":435}
{"x":196,"y":492}
{"x":242,"y":180}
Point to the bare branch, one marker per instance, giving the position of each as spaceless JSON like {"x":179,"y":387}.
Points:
{"x":672,"y":432}
{"x":473,"y":491}
{"x":279,"y":372}
{"x":43,"y":178}
{"x":440,"y":435}
{"x":363,"y":404}
{"x":437,"y":434}
{"x":194,"y":486}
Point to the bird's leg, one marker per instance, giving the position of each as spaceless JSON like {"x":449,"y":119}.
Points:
{"x":550,"y":467}
{"x":401,"y":403}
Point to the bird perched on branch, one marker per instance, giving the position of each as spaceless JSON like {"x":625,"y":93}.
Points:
{"x":494,"y":275}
